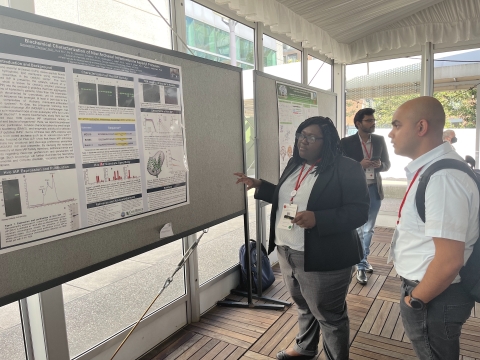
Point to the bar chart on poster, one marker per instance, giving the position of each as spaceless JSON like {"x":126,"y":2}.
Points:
{"x":81,"y":162}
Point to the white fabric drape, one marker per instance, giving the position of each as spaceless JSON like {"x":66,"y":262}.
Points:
{"x":447,"y":22}
{"x":282,"y":20}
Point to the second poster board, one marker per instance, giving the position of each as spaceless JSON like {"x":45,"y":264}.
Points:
{"x":267,"y":119}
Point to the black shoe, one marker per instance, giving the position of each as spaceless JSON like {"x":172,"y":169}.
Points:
{"x":282,"y":355}
{"x":361,"y":277}
{"x":369,"y":268}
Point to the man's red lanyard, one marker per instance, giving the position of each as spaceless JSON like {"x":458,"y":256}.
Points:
{"x":369,"y":154}
{"x":300,"y":179}
{"x":406,"y":194}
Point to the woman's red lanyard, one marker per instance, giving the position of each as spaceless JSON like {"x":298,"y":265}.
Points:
{"x":300,"y":179}
{"x":369,"y":154}
{"x":406,"y":194}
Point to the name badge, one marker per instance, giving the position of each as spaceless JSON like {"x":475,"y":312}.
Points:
{"x":370,"y":173}
{"x":288,"y":214}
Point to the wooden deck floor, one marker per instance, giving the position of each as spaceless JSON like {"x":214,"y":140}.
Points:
{"x":376,"y":329}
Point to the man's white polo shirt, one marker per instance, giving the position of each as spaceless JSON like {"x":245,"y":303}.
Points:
{"x":451,"y":211}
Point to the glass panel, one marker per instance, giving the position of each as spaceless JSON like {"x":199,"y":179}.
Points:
{"x":12,"y":346}
{"x":100,"y":304}
{"x":384,"y":86}
{"x":132,"y":19}
{"x":213,"y":36}
{"x":281,"y":60}
{"x":218,"y":249}
{"x":456,"y":81}
{"x":319,"y":73}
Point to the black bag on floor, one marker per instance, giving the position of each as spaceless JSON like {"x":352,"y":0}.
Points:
{"x":267,"y":276}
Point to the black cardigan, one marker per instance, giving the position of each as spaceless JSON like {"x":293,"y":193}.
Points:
{"x":340,"y":201}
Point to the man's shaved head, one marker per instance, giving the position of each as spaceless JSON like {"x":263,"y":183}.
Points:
{"x":417,"y":126}
{"x":427,"y":108}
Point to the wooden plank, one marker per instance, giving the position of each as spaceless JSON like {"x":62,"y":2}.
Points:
{"x":225,"y":353}
{"x":184,"y":347}
{"x":215,"y":351}
{"x":233,"y":328}
{"x":193,"y":349}
{"x":204,"y":350}
{"x":366,"y":288}
{"x":371,"y":316}
{"x":398,"y":331}
{"x":287,"y":340}
{"x":381,"y":317}
{"x":237,"y":322}
{"x":171,"y":344}
{"x":279,"y":336}
{"x":237,"y":354}
{"x":255,"y":356}
{"x":376,"y":287}
{"x":219,"y":336}
{"x":265,"y":338}
{"x":392,"y":318}
{"x":230,"y":333}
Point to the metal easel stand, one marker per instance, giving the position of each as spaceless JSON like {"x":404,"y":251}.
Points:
{"x":165,"y":285}
{"x":279,"y":304}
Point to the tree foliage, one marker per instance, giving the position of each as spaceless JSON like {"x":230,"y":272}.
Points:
{"x":458,"y":104}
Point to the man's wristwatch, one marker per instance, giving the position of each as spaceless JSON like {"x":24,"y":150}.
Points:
{"x":415,"y":303}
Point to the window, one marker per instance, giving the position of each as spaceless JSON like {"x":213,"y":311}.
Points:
{"x":216,"y":37}
{"x":319,"y":73}
{"x":281,"y":60}
{"x":11,"y":337}
{"x":132,"y":19}
{"x":384,"y":86}
{"x":456,"y":81}
{"x":102,"y":303}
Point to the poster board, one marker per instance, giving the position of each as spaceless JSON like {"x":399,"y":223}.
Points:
{"x":211,"y":95}
{"x":267,"y":120}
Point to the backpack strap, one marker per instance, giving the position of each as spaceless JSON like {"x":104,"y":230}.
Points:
{"x":432,"y":169}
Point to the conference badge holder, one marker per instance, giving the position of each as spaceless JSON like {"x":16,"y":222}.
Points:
{"x":288,"y":214}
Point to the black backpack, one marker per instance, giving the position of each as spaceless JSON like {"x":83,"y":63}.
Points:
{"x":267,"y":275}
{"x":470,"y":273}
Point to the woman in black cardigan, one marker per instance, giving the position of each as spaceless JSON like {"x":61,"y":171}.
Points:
{"x":319,"y":201}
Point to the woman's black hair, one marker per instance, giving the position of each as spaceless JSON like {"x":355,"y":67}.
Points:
{"x":331,"y":142}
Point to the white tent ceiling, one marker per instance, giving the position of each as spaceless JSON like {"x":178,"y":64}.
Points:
{"x":349,"y":30}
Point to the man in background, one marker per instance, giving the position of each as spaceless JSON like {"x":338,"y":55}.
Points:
{"x":371,"y":152}
{"x":449,"y":136}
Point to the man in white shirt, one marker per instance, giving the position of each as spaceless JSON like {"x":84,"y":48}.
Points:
{"x":428,"y":256}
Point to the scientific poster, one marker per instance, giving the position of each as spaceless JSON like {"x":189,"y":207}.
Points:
{"x":87,"y":137}
{"x":295,"y":104}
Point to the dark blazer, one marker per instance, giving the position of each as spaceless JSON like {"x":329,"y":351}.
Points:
{"x":353,"y":149}
{"x":340,"y":201}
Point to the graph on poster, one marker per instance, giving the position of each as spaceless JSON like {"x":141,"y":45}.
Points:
{"x":42,"y":190}
{"x":107,"y":174}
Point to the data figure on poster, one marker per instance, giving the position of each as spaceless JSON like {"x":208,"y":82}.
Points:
{"x":38,"y":203}
{"x":107,"y":185}
{"x":41,"y":189}
{"x":166,"y":122}
{"x":295,"y":104}
{"x":12,"y":201}
{"x":159,"y":94}
{"x":108,"y":135}
{"x":74,"y":216}
{"x":155,"y":163}
{"x":103,"y":94}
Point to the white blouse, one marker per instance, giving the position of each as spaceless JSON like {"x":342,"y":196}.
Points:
{"x":295,"y":238}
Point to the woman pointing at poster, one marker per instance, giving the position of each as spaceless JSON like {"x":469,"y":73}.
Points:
{"x":319,"y":201}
